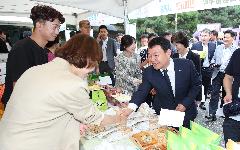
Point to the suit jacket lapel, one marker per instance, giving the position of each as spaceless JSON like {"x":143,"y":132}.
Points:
{"x":177,"y":54}
{"x":108,"y":46}
{"x":201,"y":47}
{"x":211,"y":49}
{"x":189,"y":55}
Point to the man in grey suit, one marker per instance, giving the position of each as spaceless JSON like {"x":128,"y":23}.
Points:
{"x":109,"y":50}
{"x":209,"y":48}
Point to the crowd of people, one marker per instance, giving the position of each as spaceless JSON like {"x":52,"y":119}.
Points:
{"x":46,"y":98}
{"x":211,"y":58}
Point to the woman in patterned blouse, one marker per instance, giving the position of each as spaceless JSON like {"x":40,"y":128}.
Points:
{"x":128,"y":72}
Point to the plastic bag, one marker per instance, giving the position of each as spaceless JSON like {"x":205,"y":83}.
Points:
{"x":197,"y":141}
{"x":175,"y":142}
{"x":100,"y":100}
{"x":207,"y":134}
{"x":209,"y":147}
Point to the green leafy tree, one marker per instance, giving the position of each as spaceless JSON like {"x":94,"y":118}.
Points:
{"x":151,"y":24}
{"x":227,"y":16}
{"x":185,"y":22}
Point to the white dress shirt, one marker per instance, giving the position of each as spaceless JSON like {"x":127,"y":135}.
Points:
{"x":184,"y":56}
{"x":171,"y":74}
{"x":206,"y":61}
{"x":104,"y":49}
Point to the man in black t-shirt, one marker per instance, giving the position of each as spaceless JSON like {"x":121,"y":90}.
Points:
{"x":31,"y":51}
{"x":231,"y":82}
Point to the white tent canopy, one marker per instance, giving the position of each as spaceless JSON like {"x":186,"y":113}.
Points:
{"x":134,"y":9}
{"x":116,"y":8}
{"x":165,"y":7}
{"x":22,"y":8}
{"x":110,"y":7}
{"x":75,"y":10}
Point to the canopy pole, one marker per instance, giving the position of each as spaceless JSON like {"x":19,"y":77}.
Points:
{"x":176,"y":21}
{"x":76,"y":20}
{"x":125,"y":15}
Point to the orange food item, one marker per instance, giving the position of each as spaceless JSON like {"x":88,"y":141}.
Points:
{"x":145,"y":138}
{"x":156,"y":147}
{"x":153,"y":140}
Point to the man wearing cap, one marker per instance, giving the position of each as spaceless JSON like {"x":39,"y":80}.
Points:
{"x":84,"y":27}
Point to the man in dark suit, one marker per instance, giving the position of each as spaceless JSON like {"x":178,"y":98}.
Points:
{"x":208,"y":48}
{"x":214,"y":38}
{"x":109,"y":50}
{"x":176,"y":82}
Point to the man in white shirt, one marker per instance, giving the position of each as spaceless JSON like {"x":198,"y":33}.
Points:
{"x":220,"y":60}
{"x":143,"y":50}
{"x":144,"y":43}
